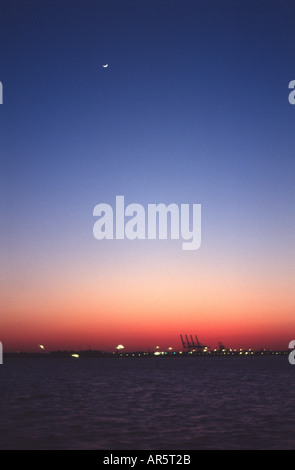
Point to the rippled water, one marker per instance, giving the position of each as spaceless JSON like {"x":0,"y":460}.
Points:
{"x":148,"y":403}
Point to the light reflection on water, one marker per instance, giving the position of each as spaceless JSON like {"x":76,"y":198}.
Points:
{"x":147,"y":403}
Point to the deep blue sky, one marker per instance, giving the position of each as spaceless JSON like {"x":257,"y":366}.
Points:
{"x":193,"y":108}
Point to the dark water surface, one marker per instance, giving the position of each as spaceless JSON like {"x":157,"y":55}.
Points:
{"x":148,"y":403}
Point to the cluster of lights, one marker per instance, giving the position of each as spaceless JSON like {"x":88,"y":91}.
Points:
{"x":157,"y":352}
{"x":206,"y":350}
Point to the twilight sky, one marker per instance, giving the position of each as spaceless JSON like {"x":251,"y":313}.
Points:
{"x":193,"y":108}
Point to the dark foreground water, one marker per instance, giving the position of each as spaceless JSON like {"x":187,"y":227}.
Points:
{"x":151,"y":403}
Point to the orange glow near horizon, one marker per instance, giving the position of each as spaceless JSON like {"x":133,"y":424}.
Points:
{"x":142,"y":301}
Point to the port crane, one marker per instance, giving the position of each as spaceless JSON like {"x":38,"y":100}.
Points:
{"x":191,"y":345}
{"x":221,"y":346}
